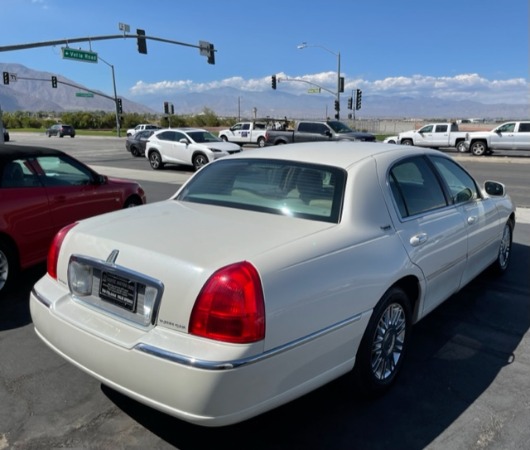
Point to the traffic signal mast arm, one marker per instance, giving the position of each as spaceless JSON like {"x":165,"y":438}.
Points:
{"x":205,"y":47}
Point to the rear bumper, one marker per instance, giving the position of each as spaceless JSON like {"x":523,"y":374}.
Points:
{"x":157,"y":367}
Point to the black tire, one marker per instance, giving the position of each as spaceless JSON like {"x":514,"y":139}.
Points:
{"x":261,"y":142}
{"x":505,"y":250}
{"x":8,"y":265}
{"x":199,"y":160}
{"x":479,"y":148}
{"x":460,"y":147}
{"x":132,"y":201}
{"x":61,"y":135}
{"x":384,"y":344}
{"x":134,"y":151}
{"x":407,"y":142}
{"x":155,"y":160}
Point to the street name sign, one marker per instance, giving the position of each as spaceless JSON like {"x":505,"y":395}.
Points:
{"x":84,"y":94}
{"x":79,"y":55}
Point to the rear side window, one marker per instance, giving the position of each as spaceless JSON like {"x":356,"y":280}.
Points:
{"x":415,"y":187}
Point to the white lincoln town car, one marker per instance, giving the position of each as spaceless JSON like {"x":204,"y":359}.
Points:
{"x":268,"y":274}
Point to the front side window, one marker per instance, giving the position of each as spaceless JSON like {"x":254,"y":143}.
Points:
{"x":461,"y":186}
{"x":287,"y":188}
{"x":426,"y":129}
{"x":506,"y":128}
{"x":415,"y":187}
{"x":59,"y":171}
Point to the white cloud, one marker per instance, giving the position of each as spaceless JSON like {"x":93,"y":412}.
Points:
{"x":459,"y":87}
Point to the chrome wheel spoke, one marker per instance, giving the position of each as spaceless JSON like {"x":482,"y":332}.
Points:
{"x":389,"y":342}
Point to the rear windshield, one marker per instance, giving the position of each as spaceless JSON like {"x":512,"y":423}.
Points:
{"x":313,"y":192}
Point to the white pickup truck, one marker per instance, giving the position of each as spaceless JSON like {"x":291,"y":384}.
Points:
{"x":508,"y":136}
{"x":435,"y":135}
{"x":245,"y":133}
{"x":142,"y":127}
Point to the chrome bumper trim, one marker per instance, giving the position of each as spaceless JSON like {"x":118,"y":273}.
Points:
{"x":40,"y":298}
{"x":233,"y":364}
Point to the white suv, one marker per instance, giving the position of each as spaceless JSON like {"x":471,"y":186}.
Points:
{"x":188,"y":146}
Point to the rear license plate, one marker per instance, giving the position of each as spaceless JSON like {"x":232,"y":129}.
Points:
{"x":118,"y":290}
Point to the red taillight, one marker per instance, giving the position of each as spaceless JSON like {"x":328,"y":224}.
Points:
{"x":55,"y":247}
{"x":230,"y":306}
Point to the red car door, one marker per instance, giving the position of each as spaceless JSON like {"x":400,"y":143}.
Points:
{"x":74,"y":191}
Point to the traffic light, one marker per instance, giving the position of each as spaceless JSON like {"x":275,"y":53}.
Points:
{"x":172,"y":109}
{"x":273,"y":78}
{"x":119,"y":105}
{"x":350,"y":103}
{"x":54,"y":81}
{"x":166,"y":107}
{"x":210,"y":54}
{"x":341,"y":84}
{"x":207,"y":50}
{"x":6,"y":77}
{"x":337,"y":106}
{"x":358,"y":99}
{"x":142,"y":44}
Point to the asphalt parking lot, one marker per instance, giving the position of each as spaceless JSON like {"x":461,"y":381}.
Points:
{"x":465,"y":385}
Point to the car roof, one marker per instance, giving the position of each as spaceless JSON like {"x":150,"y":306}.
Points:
{"x":336,"y":153}
{"x":9,"y":152}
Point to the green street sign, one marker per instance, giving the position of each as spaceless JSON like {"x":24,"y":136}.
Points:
{"x":79,"y":55}
{"x":84,"y":94}
{"x":313,"y":91}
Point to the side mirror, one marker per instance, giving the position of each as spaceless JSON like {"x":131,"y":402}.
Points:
{"x":184,"y":141}
{"x":102,"y":179}
{"x":495,"y":188}
{"x":327,"y":133}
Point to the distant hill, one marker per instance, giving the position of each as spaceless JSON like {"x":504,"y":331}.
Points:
{"x":277,"y":103}
{"x":34,"y":95}
{"x":29,"y":95}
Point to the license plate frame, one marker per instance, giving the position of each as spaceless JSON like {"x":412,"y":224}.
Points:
{"x":119,"y":290}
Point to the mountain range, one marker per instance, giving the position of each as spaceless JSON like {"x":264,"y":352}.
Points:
{"x":30,"y":94}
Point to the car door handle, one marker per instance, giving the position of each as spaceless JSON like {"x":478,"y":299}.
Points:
{"x":419,"y":239}
{"x":471,"y":220}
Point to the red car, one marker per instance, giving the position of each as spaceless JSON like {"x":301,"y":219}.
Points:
{"x":41,"y":191}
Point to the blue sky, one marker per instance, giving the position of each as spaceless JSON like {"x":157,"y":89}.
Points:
{"x":453,"y":49}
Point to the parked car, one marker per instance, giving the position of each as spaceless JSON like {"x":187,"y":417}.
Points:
{"x":136,"y":143}
{"x":268,"y":274}
{"x":41,"y":191}
{"x":61,"y":130}
{"x":187,"y":146}
{"x":6,"y":135}
{"x":142,"y":127}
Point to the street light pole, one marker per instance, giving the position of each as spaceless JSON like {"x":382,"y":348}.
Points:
{"x":305,"y":45}
{"x":115,"y":96}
